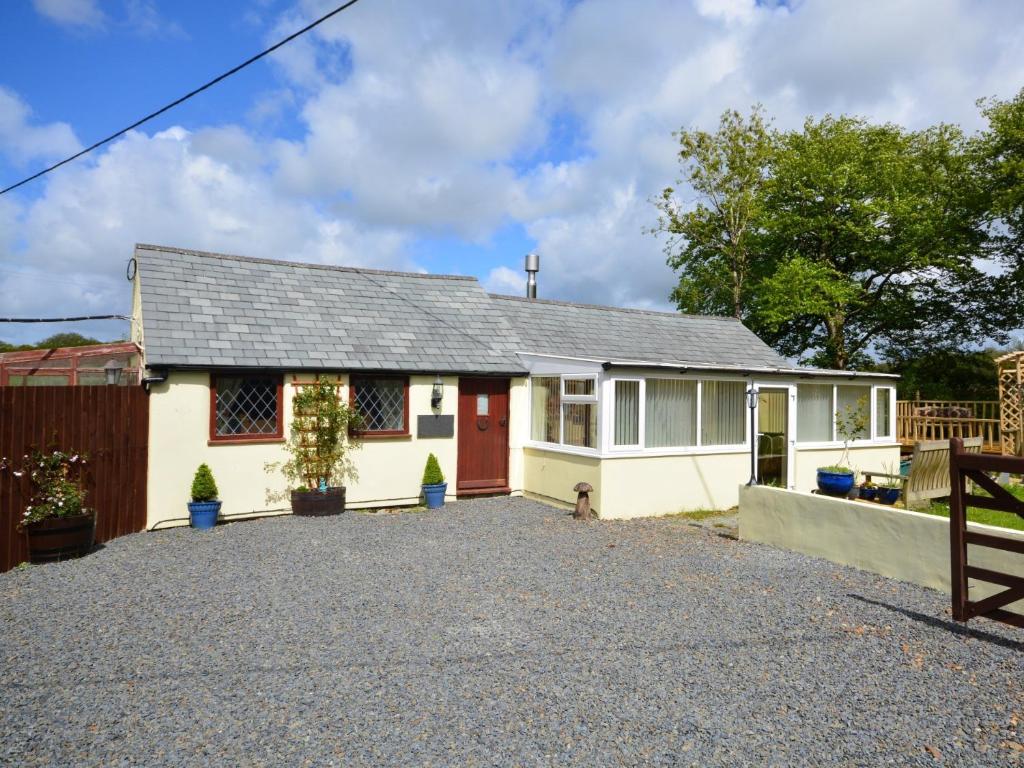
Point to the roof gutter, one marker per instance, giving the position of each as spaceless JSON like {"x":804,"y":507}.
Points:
{"x":806,"y":373}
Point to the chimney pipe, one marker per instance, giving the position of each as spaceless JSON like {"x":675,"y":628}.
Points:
{"x":532,"y":268}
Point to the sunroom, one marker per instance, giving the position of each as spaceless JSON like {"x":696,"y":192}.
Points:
{"x":657,"y":410}
{"x":659,"y":442}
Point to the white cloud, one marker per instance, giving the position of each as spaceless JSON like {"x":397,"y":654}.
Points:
{"x":72,"y":13}
{"x":22,"y":140}
{"x":423,"y":120}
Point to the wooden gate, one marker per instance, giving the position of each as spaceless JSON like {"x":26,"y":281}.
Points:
{"x":108,"y":424}
{"x":964,"y":466}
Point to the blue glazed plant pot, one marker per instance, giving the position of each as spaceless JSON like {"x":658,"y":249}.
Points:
{"x":888,"y":495}
{"x":202,"y":515}
{"x":434,"y":495}
{"x":835,"y":483}
{"x":868,"y":494}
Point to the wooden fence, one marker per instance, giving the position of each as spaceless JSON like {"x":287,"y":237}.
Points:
{"x":919,"y":420}
{"x":108,"y":424}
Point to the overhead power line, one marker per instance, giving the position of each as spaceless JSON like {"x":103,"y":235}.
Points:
{"x":184,"y":98}
{"x":61,"y":319}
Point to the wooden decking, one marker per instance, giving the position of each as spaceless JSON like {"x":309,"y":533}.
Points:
{"x":920,"y":420}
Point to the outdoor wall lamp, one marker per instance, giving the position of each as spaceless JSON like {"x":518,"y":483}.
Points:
{"x":112,"y":370}
{"x":752,"y":397}
{"x":437,"y":393}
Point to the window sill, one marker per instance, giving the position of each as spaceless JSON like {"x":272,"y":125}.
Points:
{"x":246,"y":441}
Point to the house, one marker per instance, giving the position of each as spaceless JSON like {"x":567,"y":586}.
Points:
{"x":515,"y":396}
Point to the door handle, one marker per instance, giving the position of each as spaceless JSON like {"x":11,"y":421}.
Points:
{"x":503,"y":421}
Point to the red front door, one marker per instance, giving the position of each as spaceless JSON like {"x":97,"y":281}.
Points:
{"x":483,"y":436}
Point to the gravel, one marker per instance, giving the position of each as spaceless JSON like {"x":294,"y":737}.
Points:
{"x":492,"y":632}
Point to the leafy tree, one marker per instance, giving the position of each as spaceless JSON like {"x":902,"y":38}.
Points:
{"x":1001,"y":155}
{"x":712,"y":245}
{"x":66,"y":340}
{"x":946,"y":375}
{"x":873,"y":232}
{"x":51,"y":342}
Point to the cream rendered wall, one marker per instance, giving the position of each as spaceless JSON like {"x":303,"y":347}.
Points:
{"x":910,"y":546}
{"x":551,"y":475}
{"x":645,"y":486}
{"x":869,"y":457}
{"x":390,"y":469}
{"x":518,"y":433}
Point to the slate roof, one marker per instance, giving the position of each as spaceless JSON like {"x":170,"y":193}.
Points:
{"x":615,"y":334}
{"x":208,"y":310}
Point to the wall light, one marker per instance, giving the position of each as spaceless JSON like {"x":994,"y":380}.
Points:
{"x":112,"y":370}
{"x":437,"y":393}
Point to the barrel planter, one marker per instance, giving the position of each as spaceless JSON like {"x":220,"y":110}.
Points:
{"x":202,"y":515}
{"x":318,"y":503}
{"x":60,"y":538}
{"x":433,"y":494}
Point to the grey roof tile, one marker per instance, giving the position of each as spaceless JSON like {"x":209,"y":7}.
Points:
{"x":195,"y":305}
{"x":615,"y":334}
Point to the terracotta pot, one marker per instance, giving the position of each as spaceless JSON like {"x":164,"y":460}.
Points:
{"x":317,"y":504}
{"x":60,"y":538}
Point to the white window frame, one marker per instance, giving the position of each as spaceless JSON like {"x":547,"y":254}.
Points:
{"x":640,"y":414}
{"x":891,"y":437}
{"x":564,"y":399}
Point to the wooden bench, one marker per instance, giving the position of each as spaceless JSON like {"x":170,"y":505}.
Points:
{"x":929,"y":471}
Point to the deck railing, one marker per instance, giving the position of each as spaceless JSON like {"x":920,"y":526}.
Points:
{"x":918,"y":420}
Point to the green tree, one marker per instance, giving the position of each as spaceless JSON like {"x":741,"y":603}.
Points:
{"x":1001,"y":154}
{"x":66,"y":340}
{"x":874,"y":234}
{"x":712,"y":245}
{"x":946,"y":374}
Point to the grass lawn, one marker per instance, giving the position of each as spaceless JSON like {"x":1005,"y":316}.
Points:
{"x":986,"y":516}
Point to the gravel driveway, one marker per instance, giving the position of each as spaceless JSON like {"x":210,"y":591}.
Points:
{"x":493,"y":632}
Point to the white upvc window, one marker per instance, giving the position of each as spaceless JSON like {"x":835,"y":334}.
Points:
{"x":579,"y":411}
{"x":627,"y":407}
{"x":658,"y":414}
{"x":883,"y":413}
{"x":564,"y":410}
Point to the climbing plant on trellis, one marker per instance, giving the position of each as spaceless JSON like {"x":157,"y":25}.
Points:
{"x":1011,"y":402}
{"x":320,"y":438}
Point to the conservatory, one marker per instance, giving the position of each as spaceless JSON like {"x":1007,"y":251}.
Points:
{"x":670,"y":429}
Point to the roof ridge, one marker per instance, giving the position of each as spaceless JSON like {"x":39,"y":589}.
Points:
{"x":310,"y":265}
{"x":606,"y":307}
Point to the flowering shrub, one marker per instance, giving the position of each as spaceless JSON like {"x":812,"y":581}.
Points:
{"x":56,"y":479}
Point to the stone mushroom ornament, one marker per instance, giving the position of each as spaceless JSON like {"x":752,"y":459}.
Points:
{"x":583,"y":511}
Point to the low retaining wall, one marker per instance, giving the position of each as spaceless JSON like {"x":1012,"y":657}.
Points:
{"x":904,"y":545}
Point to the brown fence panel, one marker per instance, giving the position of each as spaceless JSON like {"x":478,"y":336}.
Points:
{"x":108,"y":424}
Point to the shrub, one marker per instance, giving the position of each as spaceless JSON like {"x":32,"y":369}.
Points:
{"x":320,"y":442}
{"x":432,"y":474}
{"x":204,"y":488}
{"x":56,"y":478}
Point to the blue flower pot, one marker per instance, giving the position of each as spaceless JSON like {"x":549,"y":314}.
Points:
{"x":835,"y":483}
{"x":868,"y":494}
{"x":888,"y":495}
{"x":434,"y":495}
{"x":202,"y":515}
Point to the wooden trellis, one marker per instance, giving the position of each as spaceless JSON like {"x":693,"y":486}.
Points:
{"x":1011,"y":402}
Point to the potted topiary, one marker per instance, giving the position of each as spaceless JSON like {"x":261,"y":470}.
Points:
{"x":204,"y":507}
{"x":56,"y":521}
{"x":434,"y":486}
{"x":319,"y":444}
{"x":837,"y":479}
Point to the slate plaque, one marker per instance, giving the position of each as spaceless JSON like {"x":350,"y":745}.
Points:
{"x":435,"y":426}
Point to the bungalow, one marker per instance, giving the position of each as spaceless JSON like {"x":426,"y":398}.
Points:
{"x":515,"y":396}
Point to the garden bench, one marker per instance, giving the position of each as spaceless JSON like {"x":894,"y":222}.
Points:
{"x":929,"y":471}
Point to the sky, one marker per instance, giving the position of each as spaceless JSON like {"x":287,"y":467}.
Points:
{"x":443,"y":136}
